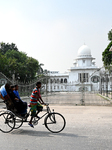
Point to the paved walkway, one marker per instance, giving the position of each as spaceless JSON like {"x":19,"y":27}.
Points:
{"x":74,"y":98}
{"x":87,"y":128}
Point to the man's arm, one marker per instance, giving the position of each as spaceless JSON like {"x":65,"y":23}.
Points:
{"x":41,"y":101}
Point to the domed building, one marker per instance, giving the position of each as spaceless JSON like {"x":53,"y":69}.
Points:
{"x":83,"y":75}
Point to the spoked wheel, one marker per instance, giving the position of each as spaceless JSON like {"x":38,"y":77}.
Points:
{"x":55,"y":122}
{"x":7,"y":122}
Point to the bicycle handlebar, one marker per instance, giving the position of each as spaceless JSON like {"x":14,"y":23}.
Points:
{"x":46,"y":104}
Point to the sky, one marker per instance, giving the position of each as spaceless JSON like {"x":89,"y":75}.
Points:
{"x":52,"y":31}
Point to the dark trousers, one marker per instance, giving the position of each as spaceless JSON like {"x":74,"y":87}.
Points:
{"x":21,"y":106}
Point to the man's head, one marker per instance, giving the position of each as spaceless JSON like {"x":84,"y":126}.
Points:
{"x":38,"y":84}
{"x":7,"y":86}
{"x":12,"y":87}
{"x":16,"y":87}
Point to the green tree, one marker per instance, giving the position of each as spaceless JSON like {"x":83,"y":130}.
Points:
{"x":40,"y":69}
{"x":24,"y":67}
{"x":5,"y":47}
{"x":110,"y":35}
{"x":3,"y":63}
{"x":107,"y":56}
{"x":14,"y":61}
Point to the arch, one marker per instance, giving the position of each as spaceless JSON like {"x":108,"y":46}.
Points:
{"x":61,"y":80}
{"x":57,"y":80}
{"x":65,"y":80}
{"x":51,"y":81}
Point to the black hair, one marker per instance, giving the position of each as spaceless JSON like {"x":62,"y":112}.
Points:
{"x":7,"y":86}
{"x":12,"y":86}
{"x":38,"y":83}
{"x":15,"y":85}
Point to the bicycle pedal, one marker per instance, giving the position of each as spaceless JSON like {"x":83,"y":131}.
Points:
{"x":35,"y":123}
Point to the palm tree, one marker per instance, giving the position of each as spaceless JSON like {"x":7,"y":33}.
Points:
{"x":40,"y":69}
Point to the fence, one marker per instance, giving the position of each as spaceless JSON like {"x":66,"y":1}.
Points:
{"x":76,"y":98}
{"x":25,"y":89}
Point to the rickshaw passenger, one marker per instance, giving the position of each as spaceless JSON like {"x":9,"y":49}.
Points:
{"x":6,"y":98}
{"x":17,"y":103}
{"x":23,"y":103}
{"x":3,"y":92}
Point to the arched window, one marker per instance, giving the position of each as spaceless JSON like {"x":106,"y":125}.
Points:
{"x":61,"y":80}
{"x":65,"y":80}
{"x":57,"y":80}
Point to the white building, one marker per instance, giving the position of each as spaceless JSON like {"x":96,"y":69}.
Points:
{"x":84,"y":75}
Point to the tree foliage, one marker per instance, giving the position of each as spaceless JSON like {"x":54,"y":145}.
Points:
{"x":107,"y":55}
{"x":12,"y":61}
{"x":5,"y":47}
{"x":110,"y":35}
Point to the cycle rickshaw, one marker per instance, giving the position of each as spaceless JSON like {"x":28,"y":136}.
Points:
{"x":10,"y":119}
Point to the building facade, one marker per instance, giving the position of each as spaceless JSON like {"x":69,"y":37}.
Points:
{"x":84,"y":75}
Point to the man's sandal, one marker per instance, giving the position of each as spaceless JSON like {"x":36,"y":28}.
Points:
{"x":31,"y":125}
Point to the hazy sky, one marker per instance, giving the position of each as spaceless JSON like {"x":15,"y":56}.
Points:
{"x":52,"y":31}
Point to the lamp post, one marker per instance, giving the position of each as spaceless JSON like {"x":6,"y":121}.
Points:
{"x":100,"y":88}
{"x":110,"y":73}
{"x":111,"y":90}
{"x":46,"y":76}
{"x":106,"y":80}
{"x":82,"y":90}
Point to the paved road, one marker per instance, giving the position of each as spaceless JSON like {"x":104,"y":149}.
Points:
{"x":87,"y":128}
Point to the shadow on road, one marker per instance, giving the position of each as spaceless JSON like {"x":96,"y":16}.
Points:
{"x":43,"y":133}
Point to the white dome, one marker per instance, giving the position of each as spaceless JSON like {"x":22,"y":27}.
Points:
{"x":84,"y":50}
